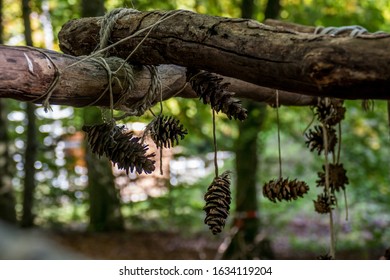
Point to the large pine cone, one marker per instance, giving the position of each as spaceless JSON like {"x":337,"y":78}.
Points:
{"x":315,"y":139}
{"x":120,"y":146}
{"x":330,"y":111}
{"x":337,"y":177}
{"x":284,"y":189}
{"x":218,"y":201}
{"x":165,"y":131}
{"x":211,"y":90}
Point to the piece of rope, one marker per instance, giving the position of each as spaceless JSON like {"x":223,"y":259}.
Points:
{"x":131,"y":109}
{"x":108,"y":24}
{"x":127,"y":84}
{"x":354,"y":30}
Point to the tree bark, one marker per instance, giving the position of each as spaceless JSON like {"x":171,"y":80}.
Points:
{"x":27,"y":73}
{"x":343,"y":67}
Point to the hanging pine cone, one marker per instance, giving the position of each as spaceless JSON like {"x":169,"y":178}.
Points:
{"x":327,"y":256}
{"x":315,"y":139}
{"x":99,"y":137}
{"x":209,"y":88}
{"x":337,"y":177}
{"x":165,"y":131}
{"x":120,"y":146}
{"x":284,"y":189}
{"x":330,"y":111}
{"x":218,"y":201}
{"x":324,"y":204}
{"x":387,"y":254}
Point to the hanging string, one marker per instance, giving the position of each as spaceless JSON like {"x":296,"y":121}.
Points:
{"x":278,"y":125}
{"x":327,"y":187}
{"x":388,"y":116}
{"x":215,"y":146}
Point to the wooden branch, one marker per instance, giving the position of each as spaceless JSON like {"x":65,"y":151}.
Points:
{"x":27,"y":73}
{"x":337,"y":66}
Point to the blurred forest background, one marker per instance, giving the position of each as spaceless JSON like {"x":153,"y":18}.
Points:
{"x":50,"y":180}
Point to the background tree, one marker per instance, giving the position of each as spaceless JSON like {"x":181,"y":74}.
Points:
{"x":31,"y":149}
{"x":7,"y":199}
{"x":104,"y":204}
{"x":247,"y":220}
{"x":295,"y":227}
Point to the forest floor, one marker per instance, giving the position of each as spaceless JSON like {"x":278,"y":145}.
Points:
{"x":140,"y":245}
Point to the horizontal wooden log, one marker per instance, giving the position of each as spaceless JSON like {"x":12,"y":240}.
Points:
{"x":27,"y":73}
{"x":275,"y":57}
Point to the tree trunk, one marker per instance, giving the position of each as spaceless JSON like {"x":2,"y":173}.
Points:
{"x":335,"y":66}
{"x":272,"y":9}
{"x":92,"y":8}
{"x":31,"y":141}
{"x":29,"y":169}
{"x":7,"y":199}
{"x":104,"y":203}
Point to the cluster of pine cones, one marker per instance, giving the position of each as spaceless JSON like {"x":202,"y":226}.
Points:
{"x":128,"y":151}
{"x":329,"y":112}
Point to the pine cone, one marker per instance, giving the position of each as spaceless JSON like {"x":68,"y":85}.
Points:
{"x":337,"y":177}
{"x":330,"y":112}
{"x":284,"y":189}
{"x":387,"y":254}
{"x":99,"y":137}
{"x":165,"y":131}
{"x":120,"y":146}
{"x":324,"y":204}
{"x":327,"y":256}
{"x":315,"y":139}
{"x":218,"y":201}
{"x":209,"y":88}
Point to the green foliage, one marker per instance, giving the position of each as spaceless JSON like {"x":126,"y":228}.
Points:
{"x":369,"y":14}
{"x":181,"y":207}
{"x":366,"y":139}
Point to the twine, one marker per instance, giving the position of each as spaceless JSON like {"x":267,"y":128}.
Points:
{"x":108,"y":24}
{"x":100,"y":56}
{"x":354,"y":30}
